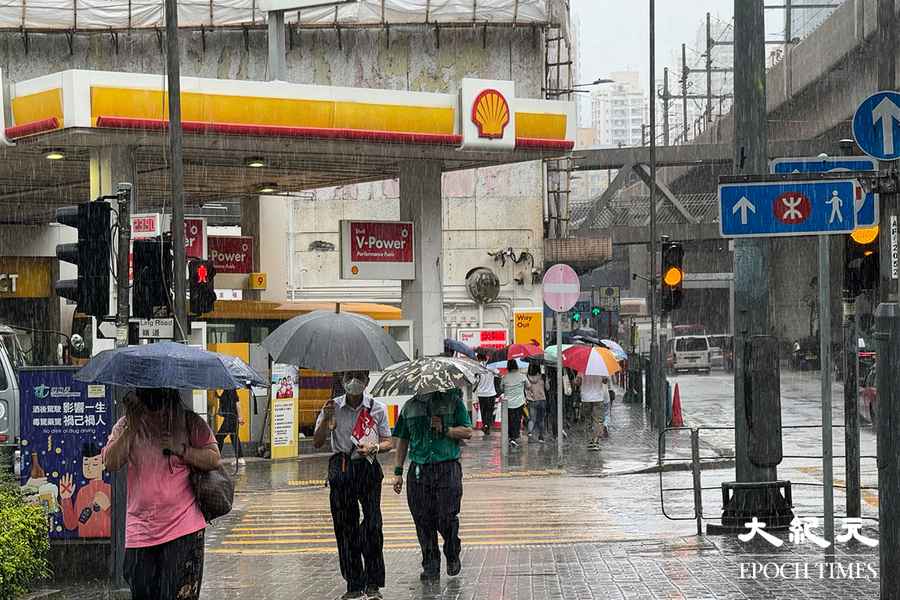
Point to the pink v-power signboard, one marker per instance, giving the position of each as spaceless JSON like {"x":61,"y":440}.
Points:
{"x":377,"y":250}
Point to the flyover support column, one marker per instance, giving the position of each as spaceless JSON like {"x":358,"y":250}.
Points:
{"x":423,"y":298}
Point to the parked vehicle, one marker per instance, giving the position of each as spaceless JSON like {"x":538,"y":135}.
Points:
{"x":11,"y":357}
{"x":688,"y":353}
{"x":868,"y":396}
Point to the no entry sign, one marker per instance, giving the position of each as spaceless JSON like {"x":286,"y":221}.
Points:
{"x":561,"y":287}
{"x":377,"y":250}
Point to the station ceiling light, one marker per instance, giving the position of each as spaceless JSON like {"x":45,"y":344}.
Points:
{"x":255,"y":163}
{"x":54,"y":154}
{"x":267,"y":188}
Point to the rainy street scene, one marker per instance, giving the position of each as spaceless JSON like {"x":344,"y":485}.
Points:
{"x":449,"y":299}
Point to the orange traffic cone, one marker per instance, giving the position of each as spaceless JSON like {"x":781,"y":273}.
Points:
{"x":677,"y":419}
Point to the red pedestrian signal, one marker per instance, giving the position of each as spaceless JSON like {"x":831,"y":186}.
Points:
{"x":201,"y":276}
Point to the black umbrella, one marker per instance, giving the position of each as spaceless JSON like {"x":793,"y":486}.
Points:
{"x":332,"y":342}
{"x":429,"y":374}
{"x":451,"y":345}
{"x":169,"y":365}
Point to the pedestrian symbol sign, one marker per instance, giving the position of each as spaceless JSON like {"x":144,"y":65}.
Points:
{"x":867,"y":208}
{"x":788,"y":208}
{"x":876,"y":125}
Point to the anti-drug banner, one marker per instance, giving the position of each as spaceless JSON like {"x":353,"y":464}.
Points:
{"x":528,"y":326}
{"x":285,"y":424}
{"x":65,"y":424}
{"x":377,"y":250}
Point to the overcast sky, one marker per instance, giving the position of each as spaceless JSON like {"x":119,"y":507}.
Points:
{"x":615,"y":32}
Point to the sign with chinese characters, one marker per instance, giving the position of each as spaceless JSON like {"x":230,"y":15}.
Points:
{"x":377,"y":250}
{"x":801,"y":532}
{"x":285,"y":423}
{"x":156,"y":329}
{"x":528,"y":326}
{"x":231,"y":254}
{"x":65,"y":424}
{"x":486,"y":338}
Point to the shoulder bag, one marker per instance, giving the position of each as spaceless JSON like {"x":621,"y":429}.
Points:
{"x":213,"y":490}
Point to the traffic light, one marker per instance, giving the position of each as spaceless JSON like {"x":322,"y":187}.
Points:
{"x":201,"y":274}
{"x":861,"y":261}
{"x":575,"y":316}
{"x":91,"y":254}
{"x":595,"y":311}
{"x":152,"y":278}
{"x":672,"y":275}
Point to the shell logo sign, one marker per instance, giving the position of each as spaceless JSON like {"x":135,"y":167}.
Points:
{"x":490,"y":113}
{"x":487,"y":114}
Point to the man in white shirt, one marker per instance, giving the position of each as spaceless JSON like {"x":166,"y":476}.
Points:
{"x":487,"y":398}
{"x":595,"y":400}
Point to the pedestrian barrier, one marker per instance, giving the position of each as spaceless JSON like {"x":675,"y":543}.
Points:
{"x":695,"y":464}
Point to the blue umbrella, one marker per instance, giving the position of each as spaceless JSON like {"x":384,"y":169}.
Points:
{"x":617,"y":350}
{"x":169,"y":365}
{"x":451,"y":345}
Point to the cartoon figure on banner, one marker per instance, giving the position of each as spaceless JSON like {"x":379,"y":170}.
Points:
{"x":88,"y":510}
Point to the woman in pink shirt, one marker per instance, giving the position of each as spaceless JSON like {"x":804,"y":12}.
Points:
{"x":161,"y":442}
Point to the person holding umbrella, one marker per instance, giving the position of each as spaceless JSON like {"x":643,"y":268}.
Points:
{"x":429,"y":429}
{"x":357,"y":426}
{"x":487,"y":395}
{"x":161,"y":442}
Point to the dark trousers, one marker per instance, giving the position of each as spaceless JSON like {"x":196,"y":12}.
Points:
{"x":486,"y":405}
{"x":538,"y":410}
{"x":515,"y":422}
{"x":355,"y":484}
{"x":434,"y":494}
{"x":167,"y":571}
{"x":229,"y":427}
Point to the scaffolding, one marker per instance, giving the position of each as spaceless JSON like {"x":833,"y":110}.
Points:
{"x":558,"y":85}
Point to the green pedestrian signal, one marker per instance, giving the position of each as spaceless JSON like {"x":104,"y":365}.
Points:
{"x":576,"y":316}
{"x":596,"y":310}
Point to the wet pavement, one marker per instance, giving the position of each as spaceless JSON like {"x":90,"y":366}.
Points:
{"x":532,"y":529}
{"x":708,"y":401}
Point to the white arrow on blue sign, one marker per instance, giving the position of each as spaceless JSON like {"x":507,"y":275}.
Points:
{"x":876,"y":125}
{"x":787,"y":208}
{"x":867,"y":208}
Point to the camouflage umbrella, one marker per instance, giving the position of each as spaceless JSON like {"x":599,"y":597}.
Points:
{"x":429,"y":374}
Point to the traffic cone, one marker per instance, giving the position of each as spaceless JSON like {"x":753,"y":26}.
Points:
{"x":677,"y":419}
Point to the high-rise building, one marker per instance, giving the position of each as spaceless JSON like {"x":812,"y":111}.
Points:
{"x":619,"y":110}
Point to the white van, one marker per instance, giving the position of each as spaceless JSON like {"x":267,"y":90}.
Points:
{"x":688,"y":353}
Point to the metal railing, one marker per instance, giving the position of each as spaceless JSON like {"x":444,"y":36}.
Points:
{"x":695,"y":465}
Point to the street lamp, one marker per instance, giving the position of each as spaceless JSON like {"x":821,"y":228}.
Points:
{"x":600,"y":81}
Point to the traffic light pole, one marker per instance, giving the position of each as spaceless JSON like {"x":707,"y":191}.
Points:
{"x":659,"y":416}
{"x":176,"y":171}
{"x":119,"y":478}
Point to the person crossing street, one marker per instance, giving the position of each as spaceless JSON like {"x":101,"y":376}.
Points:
{"x":357,"y":426}
{"x":429,"y":429}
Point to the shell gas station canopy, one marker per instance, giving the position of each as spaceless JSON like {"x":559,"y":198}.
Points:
{"x":251,"y":137}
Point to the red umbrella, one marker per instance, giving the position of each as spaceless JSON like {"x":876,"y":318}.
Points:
{"x":522,"y":351}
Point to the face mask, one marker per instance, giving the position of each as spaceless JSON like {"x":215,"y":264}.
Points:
{"x":355,"y":387}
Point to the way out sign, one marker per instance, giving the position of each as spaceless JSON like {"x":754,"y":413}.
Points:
{"x":561,"y":288}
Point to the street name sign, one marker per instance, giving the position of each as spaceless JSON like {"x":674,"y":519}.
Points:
{"x":561,"y":287}
{"x":876,"y":125}
{"x":867,"y":208}
{"x":787,"y":208}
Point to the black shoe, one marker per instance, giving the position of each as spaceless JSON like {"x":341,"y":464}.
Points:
{"x":453,"y":567}
{"x":373,"y":593}
{"x":429,"y":577}
{"x":355,"y":595}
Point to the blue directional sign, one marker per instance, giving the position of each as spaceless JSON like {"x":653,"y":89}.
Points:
{"x":787,"y":208}
{"x":867,"y":208}
{"x":876,"y":125}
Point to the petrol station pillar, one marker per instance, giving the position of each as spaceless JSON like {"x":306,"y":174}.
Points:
{"x":422,"y":299}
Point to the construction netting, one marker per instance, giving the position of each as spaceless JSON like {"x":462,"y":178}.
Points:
{"x":127,"y":14}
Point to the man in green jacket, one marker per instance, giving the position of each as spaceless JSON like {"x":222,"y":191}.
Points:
{"x":429,"y":429}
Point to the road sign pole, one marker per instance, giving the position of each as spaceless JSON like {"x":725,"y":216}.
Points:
{"x":851,"y":409}
{"x":559,"y":389}
{"x":825,"y":375}
{"x":888,"y":332}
